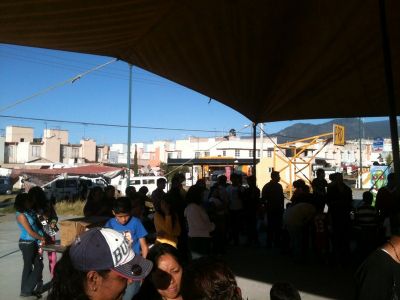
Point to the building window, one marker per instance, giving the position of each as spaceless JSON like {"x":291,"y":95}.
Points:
{"x":223,"y":152}
{"x":64,"y":152}
{"x":169,"y":154}
{"x":206,"y":153}
{"x":21,"y":139}
{"x":197,"y":154}
{"x":99,"y":154}
{"x":35,"y":151}
{"x":179,"y":155}
{"x":270,"y":170}
{"x":258,"y":153}
{"x":75,"y":152}
{"x":11,"y":152}
{"x":250,"y":153}
{"x":237,"y":153}
{"x":269,"y":153}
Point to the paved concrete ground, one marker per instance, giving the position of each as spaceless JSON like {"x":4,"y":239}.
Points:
{"x":256,"y":270}
{"x":11,"y":259}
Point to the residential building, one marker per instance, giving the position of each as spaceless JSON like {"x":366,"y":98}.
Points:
{"x":59,"y":134}
{"x":88,"y":150}
{"x":102,"y":153}
{"x":17,"y":134}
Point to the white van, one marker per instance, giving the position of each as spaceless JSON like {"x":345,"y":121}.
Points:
{"x":148,"y":181}
{"x":71,"y":187}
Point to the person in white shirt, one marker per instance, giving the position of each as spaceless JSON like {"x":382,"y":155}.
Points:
{"x":199,"y":223}
{"x":235,"y":202}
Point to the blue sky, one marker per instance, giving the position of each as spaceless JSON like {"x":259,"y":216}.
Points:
{"x":102,"y":97}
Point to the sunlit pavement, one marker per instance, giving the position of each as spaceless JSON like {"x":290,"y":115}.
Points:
{"x":258,"y":268}
{"x":11,"y":259}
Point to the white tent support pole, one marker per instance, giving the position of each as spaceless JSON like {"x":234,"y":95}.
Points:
{"x":261,"y":140}
{"x":254,"y":173}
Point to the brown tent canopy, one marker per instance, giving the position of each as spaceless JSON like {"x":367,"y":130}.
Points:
{"x":270,"y":60}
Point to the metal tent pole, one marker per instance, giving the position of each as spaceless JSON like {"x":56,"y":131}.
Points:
{"x":254,"y":173}
{"x":360,"y":145}
{"x":390,"y":90}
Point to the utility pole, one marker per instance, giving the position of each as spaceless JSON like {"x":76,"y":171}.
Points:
{"x":387,"y":57}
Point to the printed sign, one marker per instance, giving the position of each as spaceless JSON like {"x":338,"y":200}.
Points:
{"x":377,"y":145}
{"x":338,"y":135}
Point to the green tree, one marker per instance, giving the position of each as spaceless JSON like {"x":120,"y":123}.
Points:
{"x":135,"y":163}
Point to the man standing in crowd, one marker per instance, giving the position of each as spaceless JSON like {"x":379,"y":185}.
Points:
{"x":339,"y":198}
{"x":158,"y":194}
{"x":272,"y":195}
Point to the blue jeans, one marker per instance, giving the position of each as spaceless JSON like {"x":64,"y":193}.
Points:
{"x":33,"y":266}
{"x":131,"y":290}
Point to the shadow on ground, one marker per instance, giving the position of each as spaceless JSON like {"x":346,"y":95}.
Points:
{"x":269,"y":266}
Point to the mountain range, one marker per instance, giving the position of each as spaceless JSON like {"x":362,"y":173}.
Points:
{"x":369,"y":130}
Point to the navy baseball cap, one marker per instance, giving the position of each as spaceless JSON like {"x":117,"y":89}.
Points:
{"x":106,"y":249}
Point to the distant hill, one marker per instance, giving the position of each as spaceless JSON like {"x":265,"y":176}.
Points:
{"x":369,"y":129}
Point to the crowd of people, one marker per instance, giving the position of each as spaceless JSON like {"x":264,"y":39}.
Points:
{"x":169,"y":245}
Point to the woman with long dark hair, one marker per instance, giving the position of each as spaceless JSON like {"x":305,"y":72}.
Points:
{"x":208,"y":278}
{"x":48,"y":218}
{"x":31,"y":236}
{"x":164,"y":282}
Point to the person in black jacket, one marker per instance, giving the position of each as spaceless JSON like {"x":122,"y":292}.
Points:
{"x":272,"y":195}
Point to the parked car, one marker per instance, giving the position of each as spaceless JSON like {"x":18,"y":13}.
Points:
{"x":71,"y":187}
{"x":6,"y":186}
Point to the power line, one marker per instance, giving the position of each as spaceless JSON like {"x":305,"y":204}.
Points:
{"x":37,"y":51}
{"x":108,"y":124}
{"x":57,"y":85}
{"x":101,"y":73}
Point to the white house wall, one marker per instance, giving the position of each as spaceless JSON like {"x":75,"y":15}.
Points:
{"x":2,"y":149}
{"x":23,"y":152}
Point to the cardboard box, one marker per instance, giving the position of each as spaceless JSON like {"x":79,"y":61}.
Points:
{"x":71,"y":228}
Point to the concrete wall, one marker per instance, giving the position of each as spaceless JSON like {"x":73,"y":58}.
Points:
{"x":2,"y":149}
{"x":60,"y":134}
{"x":23,"y":152}
{"x":88,"y":150}
{"x":19,"y":134}
{"x":10,"y":153}
{"x":52,"y":149}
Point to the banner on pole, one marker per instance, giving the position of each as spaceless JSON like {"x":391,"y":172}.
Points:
{"x":338,"y":135}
